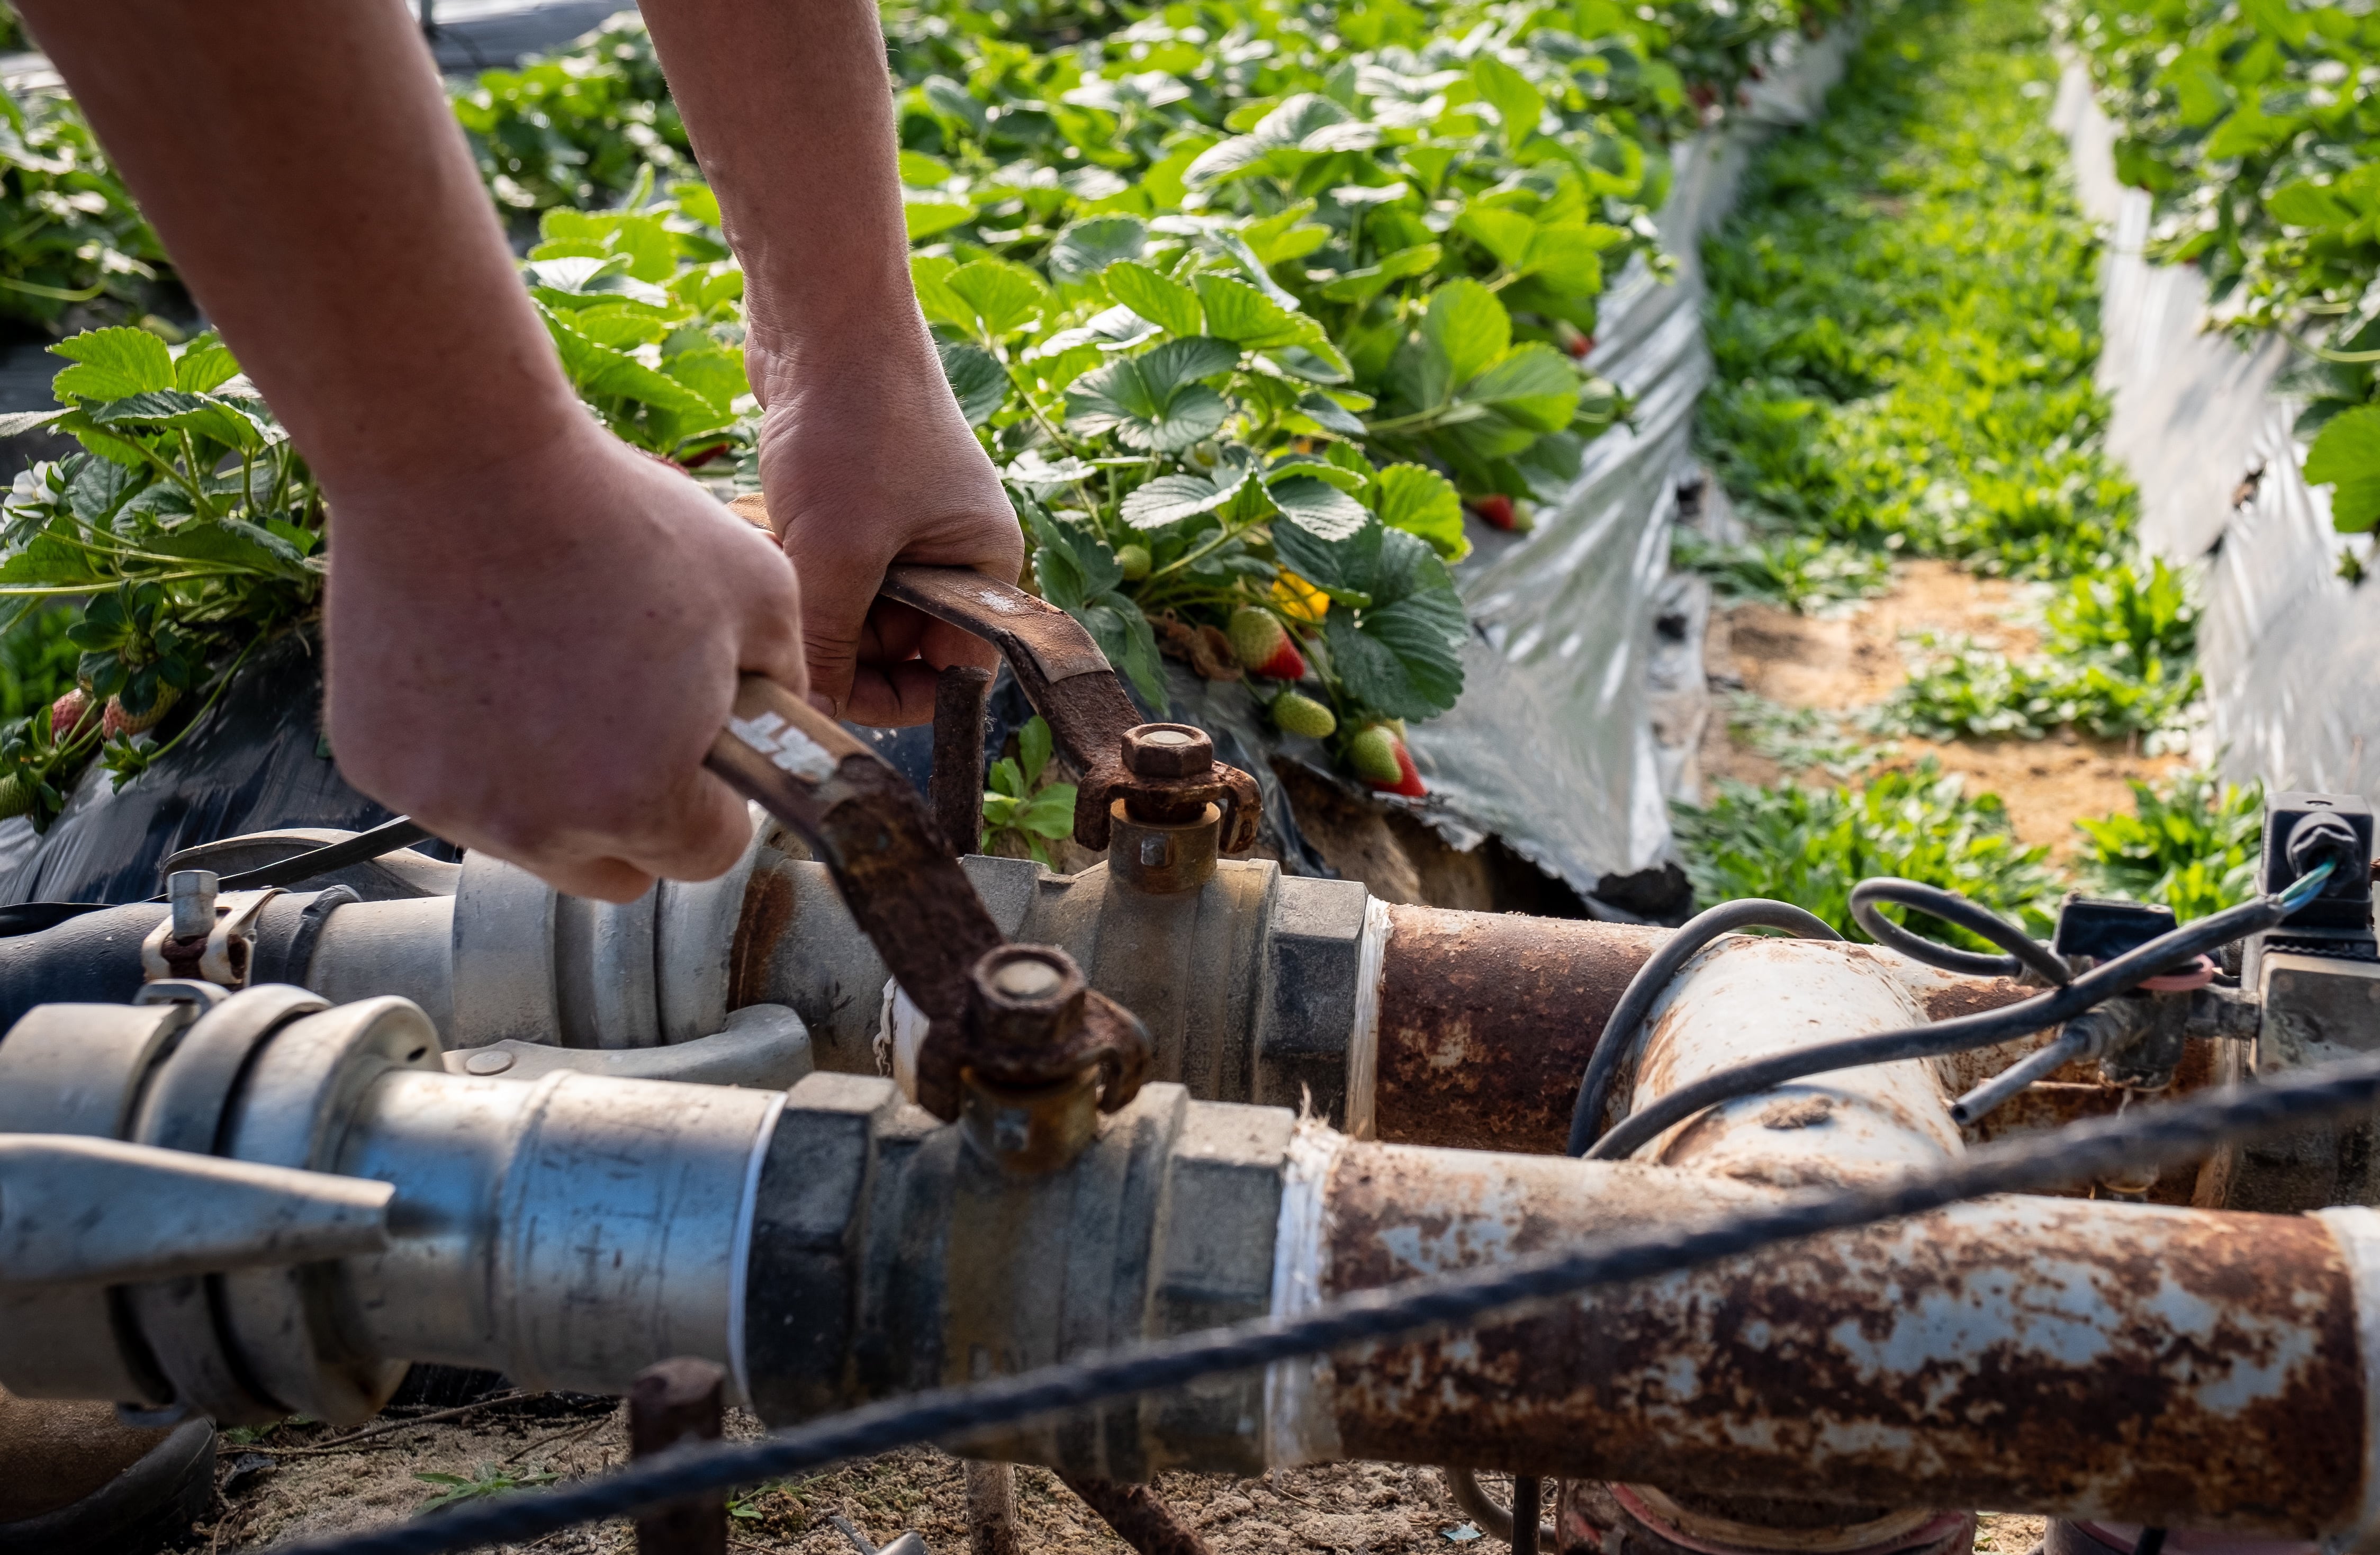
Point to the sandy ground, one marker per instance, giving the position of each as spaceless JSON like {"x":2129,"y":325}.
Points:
{"x":1842,"y":663}
{"x":279,"y":1488}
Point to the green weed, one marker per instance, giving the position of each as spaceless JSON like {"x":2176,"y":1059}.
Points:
{"x":1019,"y":807}
{"x":2192,"y":845}
{"x":489,"y":1479}
{"x":1811,"y":845}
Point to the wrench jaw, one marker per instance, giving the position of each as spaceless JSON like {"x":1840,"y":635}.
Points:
{"x":1014,"y":1028}
{"x":1075,"y":689}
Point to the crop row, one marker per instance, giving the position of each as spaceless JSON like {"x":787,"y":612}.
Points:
{"x":1903,"y":316}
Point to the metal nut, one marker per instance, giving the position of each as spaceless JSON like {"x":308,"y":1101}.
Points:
{"x":1168,"y":750}
{"x":1026,"y":996}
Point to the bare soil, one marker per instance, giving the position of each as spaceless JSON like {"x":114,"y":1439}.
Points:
{"x":278,"y":1488}
{"x":1843,"y":664}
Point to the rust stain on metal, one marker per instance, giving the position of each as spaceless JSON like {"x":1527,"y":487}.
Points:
{"x":768,"y":914}
{"x":1488,"y":1021}
{"x":2133,"y":1362}
{"x":1971,"y":996}
{"x":1139,"y":1517}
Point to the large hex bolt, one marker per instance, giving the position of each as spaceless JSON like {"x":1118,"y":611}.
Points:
{"x":1158,"y":846}
{"x":1029,"y":1097}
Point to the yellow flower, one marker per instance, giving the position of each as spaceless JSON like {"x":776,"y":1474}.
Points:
{"x":1299,"y":600}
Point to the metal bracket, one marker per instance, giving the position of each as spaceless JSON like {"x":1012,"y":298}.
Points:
{"x":223,"y":957}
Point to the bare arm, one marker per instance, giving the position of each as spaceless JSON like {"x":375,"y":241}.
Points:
{"x":865,"y":455}
{"x":534,"y":632}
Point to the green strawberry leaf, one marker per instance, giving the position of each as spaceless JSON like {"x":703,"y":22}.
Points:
{"x":1318,"y":506}
{"x":1161,"y":299}
{"x":976,"y":379}
{"x":1422,"y":501}
{"x":2347,"y":454}
{"x":1154,"y":402}
{"x":112,"y":364}
{"x":1089,"y":246}
{"x":1168,"y":499}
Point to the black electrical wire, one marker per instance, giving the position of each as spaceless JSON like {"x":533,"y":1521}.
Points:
{"x":2157,"y":1136}
{"x":1619,"y":1028}
{"x":364,"y":846}
{"x":1964,"y":1033}
{"x":31,"y":918}
{"x":2025,"y":952}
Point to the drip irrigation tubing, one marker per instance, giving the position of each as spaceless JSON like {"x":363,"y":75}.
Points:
{"x":1754,"y":912}
{"x":2160,"y":1136}
{"x":1964,"y":1033}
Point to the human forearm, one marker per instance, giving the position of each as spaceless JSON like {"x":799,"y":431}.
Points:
{"x":302,"y":166}
{"x":791,"y":116}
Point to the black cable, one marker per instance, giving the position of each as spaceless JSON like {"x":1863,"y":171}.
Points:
{"x":364,"y":846}
{"x":1619,"y":1028}
{"x":31,"y":918}
{"x":2151,"y":1542}
{"x":2157,"y":1136}
{"x":1964,"y":1033}
{"x":2025,"y":952}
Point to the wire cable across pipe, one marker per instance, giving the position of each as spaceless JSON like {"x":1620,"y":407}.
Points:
{"x":1963,"y":1033}
{"x":2160,"y":1136}
{"x":1646,"y":987}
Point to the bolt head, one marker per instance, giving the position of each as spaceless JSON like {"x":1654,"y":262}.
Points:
{"x":1168,"y":750}
{"x":1026,"y":996}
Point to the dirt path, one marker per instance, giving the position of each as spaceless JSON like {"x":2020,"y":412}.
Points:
{"x":271,"y":1495}
{"x":1842,"y":663}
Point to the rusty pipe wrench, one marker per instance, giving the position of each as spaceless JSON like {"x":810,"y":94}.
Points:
{"x":1071,"y":685}
{"x":866,"y":823}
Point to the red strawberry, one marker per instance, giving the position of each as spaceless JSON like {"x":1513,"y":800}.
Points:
{"x":1263,"y":645}
{"x":1578,"y":346}
{"x":68,"y":711}
{"x":1408,"y":779}
{"x":1496,"y":508}
{"x":118,"y":720}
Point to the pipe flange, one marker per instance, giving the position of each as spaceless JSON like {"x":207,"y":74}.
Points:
{"x":183,"y":1110}
{"x":78,"y":1069}
{"x":302,"y":1090}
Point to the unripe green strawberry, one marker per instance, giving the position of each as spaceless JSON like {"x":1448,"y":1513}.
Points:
{"x":120,"y":720}
{"x":16,"y":795}
{"x":1134,"y":560}
{"x":1263,"y":645}
{"x":1302,"y":716}
{"x":1373,"y":754}
{"x":68,"y":711}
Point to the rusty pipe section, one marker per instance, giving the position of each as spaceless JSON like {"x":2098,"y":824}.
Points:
{"x":2192,"y":1368}
{"x":2125,"y":1361}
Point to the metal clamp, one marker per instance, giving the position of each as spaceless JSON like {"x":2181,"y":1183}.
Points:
{"x":205,"y":936}
{"x":1071,"y":685}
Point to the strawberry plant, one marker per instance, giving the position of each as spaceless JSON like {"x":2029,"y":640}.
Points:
{"x":578,"y":126}
{"x":69,"y":234}
{"x":184,"y":534}
{"x":646,"y":308}
{"x":2255,"y":127}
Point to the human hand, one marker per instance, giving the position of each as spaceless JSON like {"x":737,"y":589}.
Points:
{"x":533,"y":659}
{"x":864,"y":465}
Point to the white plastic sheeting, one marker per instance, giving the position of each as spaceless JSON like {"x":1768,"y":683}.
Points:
{"x":2288,"y":647}
{"x":1552,"y":746}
